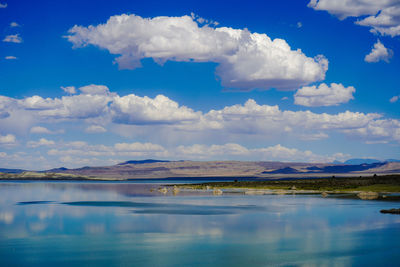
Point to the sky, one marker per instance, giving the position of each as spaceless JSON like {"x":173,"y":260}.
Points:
{"x":90,"y":83}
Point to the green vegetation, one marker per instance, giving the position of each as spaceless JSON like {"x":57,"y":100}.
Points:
{"x":386,"y":183}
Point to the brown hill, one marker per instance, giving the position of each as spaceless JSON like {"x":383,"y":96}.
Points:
{"x":230,"y":169}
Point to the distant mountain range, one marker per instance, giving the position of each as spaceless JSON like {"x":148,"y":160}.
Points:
{"x":337,"y":168}
{"x":11,"y":170}
{"x":142,"y":161}
{"x":357,"y":161}
{"x":152,"y":168}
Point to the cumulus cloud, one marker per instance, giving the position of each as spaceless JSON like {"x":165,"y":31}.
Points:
{"x":6,"y":140}
{"x":270,"y":121}
{"x":246,"y":60}
{"x":378,"y":131}
{"x":204,"y":151}
{"x":138,"y":147}
{"x":95,"y":129}
{"x":43,"y":130}
{"x":94,"y":89}
{"x":314,"y":136}
{"x":132,"y":109}
{"x":324,"y":95}
{"x":381,"y":16}
{"x":96,"y":102}
{"x":195,"y":152}
{"x":68,"y":107}
{"x":13,"y":38}
{"x":27,"y":161}
{"x":394,"y":99}
{"x":40,"y":142}
{"x":92,"y":103}
{"x":10,"y":57}
{"x":163,"y":118}
{"x":82,"y":149}
{"x":228,"y":151}
{"x":379,"y":52}
{"x":40,"y":130}
{"x":69,"y":89}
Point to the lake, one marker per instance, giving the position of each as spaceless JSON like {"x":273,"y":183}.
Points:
{"x":129,"y":224}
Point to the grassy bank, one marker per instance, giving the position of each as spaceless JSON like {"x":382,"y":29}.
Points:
{"x":387,"y":183}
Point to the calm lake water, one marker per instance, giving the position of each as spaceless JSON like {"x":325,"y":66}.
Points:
{"x":104,"y":224}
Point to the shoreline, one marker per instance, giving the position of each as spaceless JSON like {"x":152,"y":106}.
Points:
{"x":349,"y":185}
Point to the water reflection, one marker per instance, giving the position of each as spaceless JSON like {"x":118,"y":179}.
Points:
{"x":115,"y":223}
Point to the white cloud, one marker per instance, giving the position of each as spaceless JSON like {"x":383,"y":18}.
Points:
{"x":324,"y":95}
{"x":6,"y":140}
{"x":14,"y":24}
{"x":10,"y":57}
{"x":161,"y":118}
{"x":377,"y":131}
{"x":313,"y":137}
{"x":394,"y":99}
{"x":13,"y":38}
{"x":43,"y":130}
{"x":121,"y":151}
{"x":379,"y":52}
{"x":246,"y":60}
{"x":204,"y":151}
{"x":138,"y":147}
{"x":82,"y":149}
{"x":68,"y":107}
{"x":132,"y":109}
{"x":381,"y":16}
{"x":77,"y":144}
{"x":27,"y":161}
{"x":3,"y":5}
{"x":13,"y":118}
{"x":95,"y":129}
{"x":40,"y":142}
{"x":266,"y":120}
{"x":94,"y":89}
{"x":271,"y":153}
{"x":40,"y":130}
{"x":69,"y":89}
{"x":299,"y":24}
{"x":76,"y":161}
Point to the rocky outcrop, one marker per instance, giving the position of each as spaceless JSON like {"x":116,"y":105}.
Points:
{"x":175,"y":190}
{"x":163,"y":190}
{"x":368,"y":195}
{"x":217,"y":192}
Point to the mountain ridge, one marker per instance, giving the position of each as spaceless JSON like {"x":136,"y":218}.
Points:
{"x":150,"y":169}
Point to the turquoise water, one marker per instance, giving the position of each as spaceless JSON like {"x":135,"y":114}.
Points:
{"x":124,"y":224}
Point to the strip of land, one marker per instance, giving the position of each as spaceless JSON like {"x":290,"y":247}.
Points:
{"x":374,"y":183}
{"x":154,"y":169}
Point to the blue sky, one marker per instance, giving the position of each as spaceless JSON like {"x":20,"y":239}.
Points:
{"x":284,"y":80}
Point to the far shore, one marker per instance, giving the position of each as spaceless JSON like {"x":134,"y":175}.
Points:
{"x":366,"y":186}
